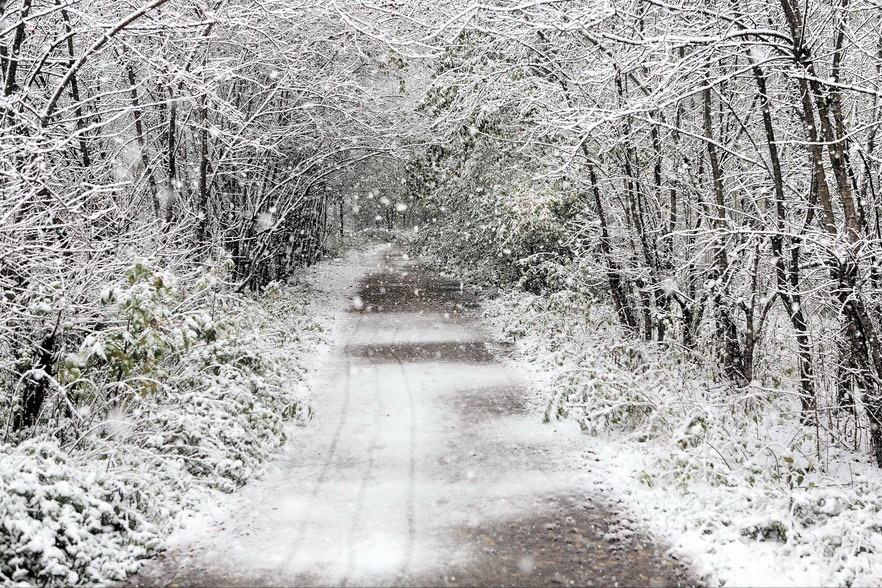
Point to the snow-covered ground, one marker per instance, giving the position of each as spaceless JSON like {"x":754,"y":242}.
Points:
{"x":735,"y":486}
{"x":421,"y":467}
{"x":730,"y":482}
{"x":89,"y":511}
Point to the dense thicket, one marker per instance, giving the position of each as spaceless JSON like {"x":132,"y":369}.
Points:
{"x":711,"y":165}
{"x":164,"y":135}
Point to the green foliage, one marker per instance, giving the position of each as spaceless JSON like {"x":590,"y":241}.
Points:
{"x":144,"y":328}
{"x":509,"y":229}
{"x":163,"y":405}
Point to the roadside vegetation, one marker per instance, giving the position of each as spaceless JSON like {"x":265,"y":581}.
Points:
{"x":677,"y":206}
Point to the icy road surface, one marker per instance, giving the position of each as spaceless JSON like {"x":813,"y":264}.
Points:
{"x":423,"y":466}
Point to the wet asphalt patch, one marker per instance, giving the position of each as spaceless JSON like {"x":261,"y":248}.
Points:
{"x":466,"y":352}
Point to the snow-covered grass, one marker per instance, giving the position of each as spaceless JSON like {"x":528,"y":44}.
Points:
{"x":729,"y":478}
{"x":199,"y":399}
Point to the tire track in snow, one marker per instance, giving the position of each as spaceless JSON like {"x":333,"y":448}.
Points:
{"x":410,"y":508}
{"x":332,"y":449}
{"x":366,"y":478}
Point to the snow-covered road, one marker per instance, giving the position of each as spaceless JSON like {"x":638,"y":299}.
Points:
{"x":423,"y":466}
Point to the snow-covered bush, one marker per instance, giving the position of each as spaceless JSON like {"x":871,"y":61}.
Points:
{"x":225,"y":412}
{"x":140,"y":331}
{"x":62,"y":523}
{"x":732,"y":467}
{"x":621,"y":385}
{"x":509,"y":238}
{"x":182,"y":391}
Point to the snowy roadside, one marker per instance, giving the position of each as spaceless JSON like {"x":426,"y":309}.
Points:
{"x":229,"y":382}
{"x":323,"y":293}
{"x":727,"y":482}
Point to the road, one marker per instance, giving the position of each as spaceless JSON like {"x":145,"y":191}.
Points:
{"x":424,"y":465}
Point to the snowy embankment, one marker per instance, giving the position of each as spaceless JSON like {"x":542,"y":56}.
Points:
{"x":728,"y":478}
{"x":235,"y":373}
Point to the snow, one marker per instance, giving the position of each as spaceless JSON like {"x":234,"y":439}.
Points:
{"x":401,"y":456}
{"x":412,"y":328}
{"x":331,"y":285}
{"x":737,"y":499}
{"x":398,"y":454}
{"x":90,"y":514}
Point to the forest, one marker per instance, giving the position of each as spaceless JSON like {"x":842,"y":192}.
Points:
{"x":695,"y":180}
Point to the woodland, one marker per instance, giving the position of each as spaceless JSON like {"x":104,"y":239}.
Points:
{"x":703,"y":173}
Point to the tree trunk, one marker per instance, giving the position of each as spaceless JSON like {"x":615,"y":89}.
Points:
{"x":733,"y":358}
